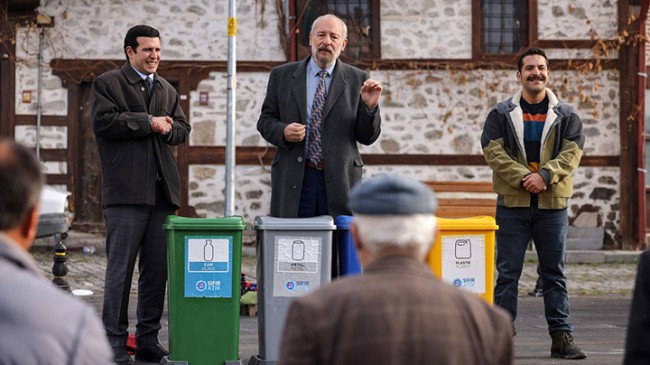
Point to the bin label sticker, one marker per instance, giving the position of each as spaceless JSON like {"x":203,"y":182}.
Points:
{"x":463,"y":261}
{"x":297,"y":270}
{"x":208,"y":267}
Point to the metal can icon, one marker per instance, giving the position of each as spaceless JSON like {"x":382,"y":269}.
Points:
{"x":298,"y":250}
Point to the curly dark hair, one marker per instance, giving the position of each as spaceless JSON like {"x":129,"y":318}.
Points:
{"x":528,"y":52}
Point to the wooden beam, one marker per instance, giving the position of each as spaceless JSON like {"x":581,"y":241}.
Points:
{"x":627,"y":126}
{"x":56,"y":179}
{"x":53,"y":154}
{"x":263,"y":155}
{"x":46,"y":120}
{"x":78,"y":71}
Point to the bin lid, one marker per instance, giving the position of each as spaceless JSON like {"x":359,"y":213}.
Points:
{"x":323,"y":222}
{"x":480,"y":223}
{"x":175,"y":222}
{"x":343,"y":221}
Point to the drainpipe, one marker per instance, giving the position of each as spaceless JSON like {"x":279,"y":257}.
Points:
{"x":39,"y":91}
{"x":641,"y":168}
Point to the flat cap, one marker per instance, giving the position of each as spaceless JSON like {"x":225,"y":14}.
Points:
{"x":392,"y":195}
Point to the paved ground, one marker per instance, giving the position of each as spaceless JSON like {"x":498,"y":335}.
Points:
{"x":600,"y":294}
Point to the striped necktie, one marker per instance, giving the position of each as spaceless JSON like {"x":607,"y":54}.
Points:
{"x":314,"y":152}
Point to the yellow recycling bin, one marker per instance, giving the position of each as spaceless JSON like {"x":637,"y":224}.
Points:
{"x":463,"y":254}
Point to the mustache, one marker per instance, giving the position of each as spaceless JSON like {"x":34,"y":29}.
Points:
{"x":536,"y":77}
{"x":328,"y":49}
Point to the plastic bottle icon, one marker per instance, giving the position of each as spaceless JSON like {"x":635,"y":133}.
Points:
{"x":463,"y":249}
{"x":208,"y":251}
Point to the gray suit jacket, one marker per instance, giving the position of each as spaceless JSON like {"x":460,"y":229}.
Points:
{"x":41,"y":324}
{"x":395,"y":313}
{"x":345,"y":122}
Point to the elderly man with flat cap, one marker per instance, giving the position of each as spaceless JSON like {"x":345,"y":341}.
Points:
{"x":397,"y":311}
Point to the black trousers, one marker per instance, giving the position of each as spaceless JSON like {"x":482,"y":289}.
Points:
{"x":133,"y":230}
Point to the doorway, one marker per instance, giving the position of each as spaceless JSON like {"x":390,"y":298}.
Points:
{"x":89,"y":214}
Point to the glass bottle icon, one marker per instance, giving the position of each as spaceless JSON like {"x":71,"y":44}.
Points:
{"x":208,"y":251}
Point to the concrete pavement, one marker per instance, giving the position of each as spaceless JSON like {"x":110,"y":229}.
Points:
{"x":600,"y":286}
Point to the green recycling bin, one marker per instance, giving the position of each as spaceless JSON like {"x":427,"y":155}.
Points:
{"x":204,"y":266}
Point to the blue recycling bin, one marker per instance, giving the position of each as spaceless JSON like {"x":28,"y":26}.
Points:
{"x":349,"y":263}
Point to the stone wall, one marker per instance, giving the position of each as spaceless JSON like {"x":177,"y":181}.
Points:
{"x":193,"y":30}
{"x":423,"y":106}
{"x":426,"y":29}
{"x":577,"y":19}
{"x":209,"y":121}
{"x":424,"y":112}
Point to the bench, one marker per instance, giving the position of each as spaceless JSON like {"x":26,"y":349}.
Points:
{"x":463,"y":199}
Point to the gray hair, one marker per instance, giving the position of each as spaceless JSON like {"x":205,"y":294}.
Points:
{"x":378,"y":232}
{"x":345,"y":27}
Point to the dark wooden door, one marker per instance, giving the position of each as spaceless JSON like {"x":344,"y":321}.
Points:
{"x":88,"y":189}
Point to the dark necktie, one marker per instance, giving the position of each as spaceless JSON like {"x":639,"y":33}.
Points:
{"x":149,"y":84}
{"x":314,"y":153}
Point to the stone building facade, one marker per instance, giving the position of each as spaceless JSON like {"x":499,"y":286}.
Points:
{"x":425,"y":110}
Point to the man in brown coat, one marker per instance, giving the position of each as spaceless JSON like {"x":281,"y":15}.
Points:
{"x":397,"y":311}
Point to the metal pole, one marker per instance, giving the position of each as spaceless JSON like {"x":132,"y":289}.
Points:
{"x":39,"y":91}
{"x":230,"y":119}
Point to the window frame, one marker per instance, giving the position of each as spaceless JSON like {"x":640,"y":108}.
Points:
{"x":299,"y":52}
{"x":477,"y":34}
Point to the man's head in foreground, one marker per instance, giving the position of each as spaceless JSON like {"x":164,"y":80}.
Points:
{"x":393,"y":216}
{"x":20,"y":183}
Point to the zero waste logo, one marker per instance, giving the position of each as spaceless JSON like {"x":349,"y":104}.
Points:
{"x":290,"y":285}
{"x":201,"y":285}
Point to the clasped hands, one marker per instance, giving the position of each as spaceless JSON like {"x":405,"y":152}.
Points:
{"x":534,"y":183}
{"x":162,"y":125}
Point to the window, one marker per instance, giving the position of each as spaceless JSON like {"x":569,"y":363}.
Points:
{"x":361,"y":17}
{"x":504,"y":26}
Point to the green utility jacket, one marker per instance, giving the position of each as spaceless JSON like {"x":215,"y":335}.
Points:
{"x":561,"y":149}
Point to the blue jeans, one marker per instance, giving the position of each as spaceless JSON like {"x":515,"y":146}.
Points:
{"x":548,"y":229}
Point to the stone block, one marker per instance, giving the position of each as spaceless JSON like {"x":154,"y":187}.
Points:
{"x":585,"y":238}
{"x":585,"y":257}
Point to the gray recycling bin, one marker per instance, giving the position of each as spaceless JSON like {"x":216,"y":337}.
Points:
{"x":294,"y":258}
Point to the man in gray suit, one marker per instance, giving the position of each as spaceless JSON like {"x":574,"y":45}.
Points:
{"x":316,"y":129}
{"x":397,"y":311}
{"x":39,"y":323}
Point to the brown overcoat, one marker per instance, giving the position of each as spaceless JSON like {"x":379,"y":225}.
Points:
{"x":395,"y":313}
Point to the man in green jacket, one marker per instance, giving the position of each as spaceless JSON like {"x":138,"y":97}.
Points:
{"x":533,"y":143}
